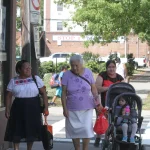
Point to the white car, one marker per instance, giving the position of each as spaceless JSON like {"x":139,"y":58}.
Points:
{"x":57,"y":57}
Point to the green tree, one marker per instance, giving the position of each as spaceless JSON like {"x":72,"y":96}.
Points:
{"x":42,"y":11}
{"x":18,"y":18}
{"x":89,"y":56}
{"x":106,"y":20}
{"x":142,"y":28}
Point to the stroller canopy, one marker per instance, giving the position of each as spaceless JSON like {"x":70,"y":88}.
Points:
{"x":117,"y":89}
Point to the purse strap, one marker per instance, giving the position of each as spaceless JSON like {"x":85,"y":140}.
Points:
{"x":82,"y":78}
{"x":34,"y":80}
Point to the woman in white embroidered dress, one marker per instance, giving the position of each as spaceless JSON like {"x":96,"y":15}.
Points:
{"x":24,"y":116}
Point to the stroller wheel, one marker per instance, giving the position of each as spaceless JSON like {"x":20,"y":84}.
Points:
{"x":105,"y":144}
{"x":143,"y":147}
{"x":109,"y":131}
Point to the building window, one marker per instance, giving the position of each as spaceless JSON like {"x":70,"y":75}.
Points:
{"x":59,"y":26}
{"x":59,"y":7}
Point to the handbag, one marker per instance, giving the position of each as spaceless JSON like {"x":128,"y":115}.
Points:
{"x":40,"y":96}
{"x":101,"y":123}
{"x":47,"y":135}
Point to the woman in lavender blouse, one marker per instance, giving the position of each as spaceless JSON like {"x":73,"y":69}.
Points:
{"x":79,"y":98}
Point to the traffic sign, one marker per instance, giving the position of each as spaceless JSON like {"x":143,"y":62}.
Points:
{"x":35,"y":11}
{"x":36,"y":41}
{"x":36,"y":4}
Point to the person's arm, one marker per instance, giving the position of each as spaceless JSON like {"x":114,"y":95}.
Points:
{"x":64,"y":101}
{"x":98,"y":83}
{"x":96,"y":97}
{"x":45,"y":99}
{"x":8,"y":104}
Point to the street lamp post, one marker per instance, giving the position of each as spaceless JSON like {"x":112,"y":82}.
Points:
{"x":137,"y":47}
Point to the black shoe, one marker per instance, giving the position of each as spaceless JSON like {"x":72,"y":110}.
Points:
{"x":97,"y":141}
{"x":52,"y":104}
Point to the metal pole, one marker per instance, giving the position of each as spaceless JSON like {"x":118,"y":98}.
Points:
{"x":25,"y":32}
{"x":137,"y":47}
{"x":125,"y":47}
{"x":1,"y":2}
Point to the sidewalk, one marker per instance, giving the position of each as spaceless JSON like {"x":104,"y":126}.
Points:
{"x":66,"y":144}
{"x":61,"y":146}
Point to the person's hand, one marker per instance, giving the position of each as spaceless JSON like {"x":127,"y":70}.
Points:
{"x":66,"y":114}
{"x":7,"y":113}
{"x":107,"y":88}
{"x":46,"y":112}
{"x":99,"y":107}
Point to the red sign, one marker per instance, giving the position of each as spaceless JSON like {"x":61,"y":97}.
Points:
{"x":36,"y":4}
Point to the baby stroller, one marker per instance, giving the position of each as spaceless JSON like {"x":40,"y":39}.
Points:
{"x":113,"y":135}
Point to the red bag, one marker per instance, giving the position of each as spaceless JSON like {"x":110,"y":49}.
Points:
{"x":101,"y":124}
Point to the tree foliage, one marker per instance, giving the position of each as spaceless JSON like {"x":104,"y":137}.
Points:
{"x":89,"y":56}
{"x":109,"y":19}
{"x":42,"y":11}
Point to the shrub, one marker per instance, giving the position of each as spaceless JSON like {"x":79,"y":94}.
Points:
{"x":49,"y":67}
{"x":90,"y":56}
{"x":59,"y":65}
{"x":46,"y":67}
{"x":96,"y":67}
{"x":130,"y":68}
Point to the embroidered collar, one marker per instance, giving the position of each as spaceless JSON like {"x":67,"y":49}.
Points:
{"x":23,"y":81}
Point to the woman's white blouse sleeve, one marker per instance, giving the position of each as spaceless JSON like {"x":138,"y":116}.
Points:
{"x":39,"y":82}
{"x":10,"y":85}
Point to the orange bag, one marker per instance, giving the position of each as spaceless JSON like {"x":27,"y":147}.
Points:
{"x":101,"y":124}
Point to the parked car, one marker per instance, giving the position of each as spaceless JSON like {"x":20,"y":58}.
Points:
{"x":57,"y":57}
{"x":141,"y":62}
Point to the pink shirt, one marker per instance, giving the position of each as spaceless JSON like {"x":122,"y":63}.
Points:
{"x":79,"y":95}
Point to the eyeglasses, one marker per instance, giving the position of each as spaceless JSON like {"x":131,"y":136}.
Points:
{"x":27,"y":68}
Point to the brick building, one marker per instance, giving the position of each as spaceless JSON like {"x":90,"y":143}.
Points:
{"x":68,"y":39}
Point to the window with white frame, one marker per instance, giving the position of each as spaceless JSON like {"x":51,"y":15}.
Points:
{"x":59,"y":7}
{"x":59,"y":26}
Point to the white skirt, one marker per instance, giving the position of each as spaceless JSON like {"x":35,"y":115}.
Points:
{"x":79,"y":124}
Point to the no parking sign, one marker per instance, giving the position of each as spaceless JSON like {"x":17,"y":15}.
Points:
{"x":35,"y":11}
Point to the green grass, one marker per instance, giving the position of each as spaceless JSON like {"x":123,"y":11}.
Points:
{"x":146,"y":103}
{"x":138,"y":72}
